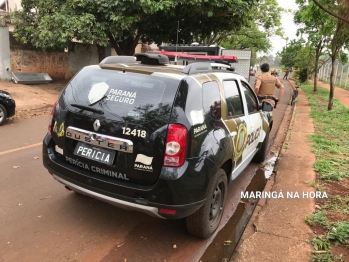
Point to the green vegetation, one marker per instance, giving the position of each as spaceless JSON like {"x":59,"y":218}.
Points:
{"x":330,"y":144}
{"x":51,"y":24}
{"x":326,"y":257}
{"x":324,"y":37}
{"x":337,"y":203}
{"x":330,"y":141}
{"x":320,"y":243}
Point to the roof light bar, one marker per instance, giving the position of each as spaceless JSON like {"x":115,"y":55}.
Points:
{"x":184,"y":56}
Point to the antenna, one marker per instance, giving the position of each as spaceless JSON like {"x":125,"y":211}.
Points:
{"x":175,"y":62}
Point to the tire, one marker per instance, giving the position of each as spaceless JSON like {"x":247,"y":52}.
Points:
{"x":294,"y":97}
{"x":3,"y":114}
{"x":263,"y":151}
{"x":205,"y":221}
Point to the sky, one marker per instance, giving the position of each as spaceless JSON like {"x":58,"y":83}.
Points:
{"x":290,"y":29}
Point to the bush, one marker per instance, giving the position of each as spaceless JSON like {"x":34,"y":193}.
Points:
{"x":303,"y":75}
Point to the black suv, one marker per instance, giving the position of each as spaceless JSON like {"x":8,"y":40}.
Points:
{"x":157,"y":138}
{"x":7,"y":106}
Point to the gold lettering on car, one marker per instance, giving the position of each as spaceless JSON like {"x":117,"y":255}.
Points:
{"x":59,"y":131}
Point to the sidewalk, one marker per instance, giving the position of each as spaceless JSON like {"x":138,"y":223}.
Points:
{"x":280,"y":233}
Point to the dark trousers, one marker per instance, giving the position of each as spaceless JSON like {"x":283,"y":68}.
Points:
{"x":285,"y":76}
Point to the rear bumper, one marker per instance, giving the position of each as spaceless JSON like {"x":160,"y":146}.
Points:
{"x":149,"y":199}
{"x":152,"y":211}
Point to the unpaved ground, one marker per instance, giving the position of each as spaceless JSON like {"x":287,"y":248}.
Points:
{"x":339,"y":93}
{"x":33,"y":100}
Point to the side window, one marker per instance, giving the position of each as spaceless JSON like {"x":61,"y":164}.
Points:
{"x":211,"y":99}
{"x":252,"y":104}
{"x":233,"y":99}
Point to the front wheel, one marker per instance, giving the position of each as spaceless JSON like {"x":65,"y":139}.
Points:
{"x":204,"y":222}
{"x":3,"y":114}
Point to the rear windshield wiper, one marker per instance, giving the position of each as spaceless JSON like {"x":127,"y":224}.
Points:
{"x":88,"y":108}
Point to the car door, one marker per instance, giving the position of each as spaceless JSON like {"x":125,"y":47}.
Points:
{"x":236,"y":118}
{"x":253,"y":116}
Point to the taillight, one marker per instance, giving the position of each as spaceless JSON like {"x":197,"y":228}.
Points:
{"x":52,"y":118}
{"x":176,"y":145}
{"x":167,"y":211}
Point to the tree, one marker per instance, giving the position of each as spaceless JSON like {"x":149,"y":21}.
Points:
{"x":318,"y":26}
{"x":290,"y":52}
{"x":54,"y":24}
{"x":300,"y":55}
{"x":340,"y":38}
{"x":341,"y":14}
{"x":264,"y":21}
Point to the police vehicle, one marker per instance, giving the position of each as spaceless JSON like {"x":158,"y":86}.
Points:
{"x":155,"y":137}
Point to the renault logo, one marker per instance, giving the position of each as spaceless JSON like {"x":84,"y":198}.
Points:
{"x":96,"y":125}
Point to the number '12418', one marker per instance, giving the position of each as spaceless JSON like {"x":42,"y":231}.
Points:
{"x":134,"y":132}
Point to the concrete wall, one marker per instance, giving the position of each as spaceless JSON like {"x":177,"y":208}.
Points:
{"x":14,"y":5}
{"x":59,"y":65}
{"x":25,"y":58}
{"x":5,"y":61}
{"x":80,"y":57}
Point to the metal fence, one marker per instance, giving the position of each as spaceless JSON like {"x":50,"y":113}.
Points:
{"x":341,"y":74}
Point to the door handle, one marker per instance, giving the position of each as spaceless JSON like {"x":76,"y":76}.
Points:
{"x":233,"y":133}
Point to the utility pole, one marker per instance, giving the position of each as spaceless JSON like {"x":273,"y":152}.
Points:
{"x":175,"y":62}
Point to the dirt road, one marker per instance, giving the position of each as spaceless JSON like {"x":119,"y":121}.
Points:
{"x":33,"y":100}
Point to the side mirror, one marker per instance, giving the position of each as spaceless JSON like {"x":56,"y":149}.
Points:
{"x":267,"y":107}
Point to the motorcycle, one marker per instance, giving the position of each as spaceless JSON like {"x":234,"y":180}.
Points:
{"x":294,"y":96}
{"x":268,"y":103}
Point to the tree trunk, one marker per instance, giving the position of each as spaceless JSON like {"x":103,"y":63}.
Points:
{"x":318,"y":52}
{"x":330,"y":101}
{"x":101,"y":52}
{"x":317,"y":56}
{"x":125,"y":47}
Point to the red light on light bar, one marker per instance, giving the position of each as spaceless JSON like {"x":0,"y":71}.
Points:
{"x":167,"y":211}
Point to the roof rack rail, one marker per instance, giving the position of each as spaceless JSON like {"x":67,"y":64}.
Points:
{"x":152,"y":58}
{"x":208,"y":67}
{"x":196,"y":68}
{"x":118,"y":59}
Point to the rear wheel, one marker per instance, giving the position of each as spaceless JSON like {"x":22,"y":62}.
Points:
{"x":3,"y":114}
{"x":204,"y":222}
{"x":263,"y":151}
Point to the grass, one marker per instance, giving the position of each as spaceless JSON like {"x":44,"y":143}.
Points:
{"x":326,"y":257}
{"x":318,"y":218}
{"x":337,"y":203}
{"x":330,"y":144}
{"x":287,"y":145}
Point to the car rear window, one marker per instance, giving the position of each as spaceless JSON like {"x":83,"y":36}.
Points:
{"x":129,"y":95}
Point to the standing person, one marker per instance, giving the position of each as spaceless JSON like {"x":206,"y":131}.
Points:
{"x":265,"y":84}
{"x":286,"y":74}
